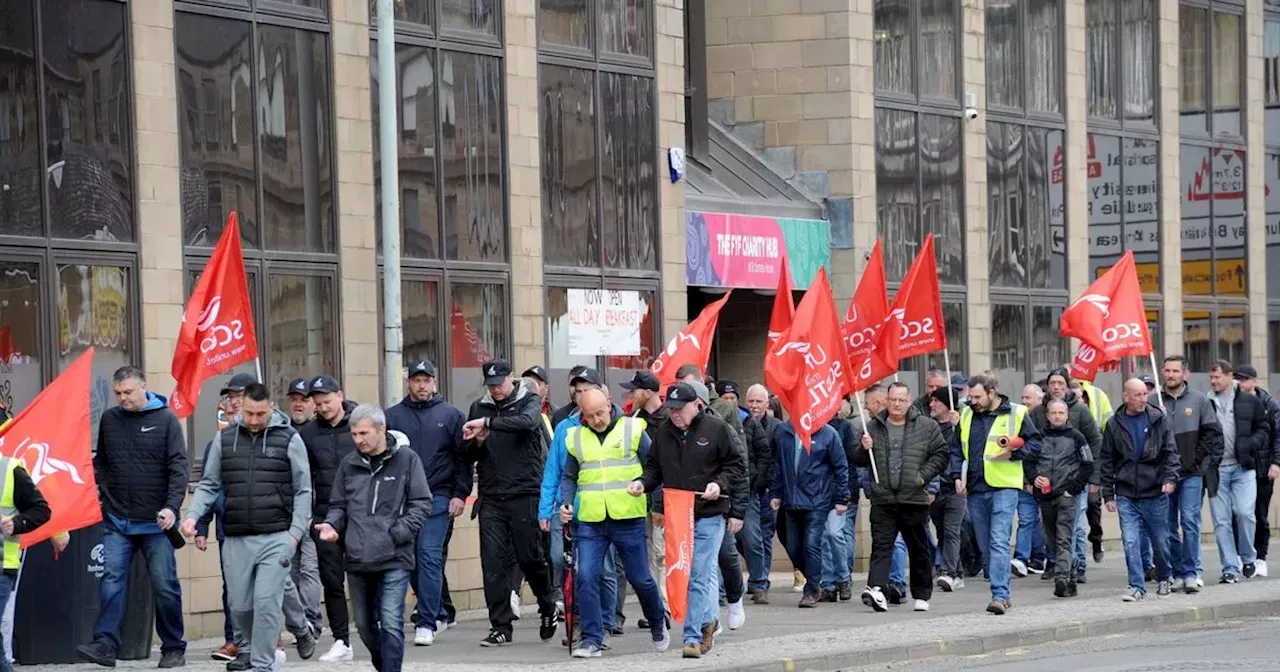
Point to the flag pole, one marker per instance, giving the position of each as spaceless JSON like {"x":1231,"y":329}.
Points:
{"x":257,"y":369}
{"x":862,"y":413}
{"x":1159,"y":394}
{"x":951,"y":391}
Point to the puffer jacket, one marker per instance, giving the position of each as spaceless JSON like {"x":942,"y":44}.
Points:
{"x":1065,"y":459}
{"x":924,"y":456}
{"x":759,"y":454}
{"x":1272,"y":451}
{"x":1253,"y":431}
{"x":327,"y":445}
{"x":815,"y":480}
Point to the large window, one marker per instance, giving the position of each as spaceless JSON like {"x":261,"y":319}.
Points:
{"x":1211,"y":64}
{"x":255,"y":121}
{"x":1121,"y":61}
{"x":68,"y":260}
{"x":451,"y":140}
{"x":1024,"y":55}
{"x":1271,"y":77}
{"x":597,"y":113}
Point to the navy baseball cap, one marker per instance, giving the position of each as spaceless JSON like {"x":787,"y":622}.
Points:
{"x":300,"y":387}
{"x":422,"y":367}
{"x":324,"y":385}
{"x":724,"y":387}
{"x":680,"y":395}
{"x":496,"y":371}
{"x":238,"y":382}
{"x":538,"y":372}
{"x":642,"y":380}
{"x":587,"y":375}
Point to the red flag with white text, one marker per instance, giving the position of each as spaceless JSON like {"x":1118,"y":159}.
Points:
{"x":918,"y":306}
{"x":808,"y":364}
{"x":52,"y":438}
{"x":217,"y":331}
{"x":1110,"y":316}
{"x":881,"y":359}
{"x":691,"y":346}
{"x":868,"y":308}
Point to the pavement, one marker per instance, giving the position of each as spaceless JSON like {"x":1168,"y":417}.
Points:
{"x":779,"y":637}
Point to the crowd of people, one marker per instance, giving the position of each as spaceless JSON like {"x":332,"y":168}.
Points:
{"x":334,"y":497}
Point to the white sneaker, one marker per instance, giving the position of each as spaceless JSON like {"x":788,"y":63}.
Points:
{"x":1199,"y":581}
{"x":441,"y":626}
{"x":339,"y":653}
{"x":737,"y":615}
{"x":874,"y":598}
{"x":1019,"y":567}
{"x":664,"y":643}
{"x":515,"y":605}
{"x":946,"y":583}
{"x":424,"y":637}
{"x":719,"y":628}
{"x":922,"y":605}
{"x":281,"y":657}
{"x":1260,"y":568}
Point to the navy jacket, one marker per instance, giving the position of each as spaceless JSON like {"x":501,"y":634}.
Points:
{"x":815,"y":481}
{"x":434,"y":429}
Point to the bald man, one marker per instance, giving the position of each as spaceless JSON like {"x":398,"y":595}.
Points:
{"x":607,"y":449}
{"x":1138,"y":468}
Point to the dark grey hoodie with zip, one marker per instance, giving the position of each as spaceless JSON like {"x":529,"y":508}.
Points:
{"x":379,"y":504}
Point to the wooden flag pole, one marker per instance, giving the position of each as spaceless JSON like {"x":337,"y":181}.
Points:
{"x":862,"y":412}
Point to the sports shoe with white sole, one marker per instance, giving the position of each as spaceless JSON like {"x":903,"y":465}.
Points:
{"x":874,"y":598}
{"x":1019,"y":567}
{"x":424,"y":637}
{"x":737,"y":615}
{"x":921,"y":605}
{"x":664,"y":642}
{"x":1260,"y":567}
{"x":281,"y":658}
{"x":338,"y":653}
{"x":945,"y":583}
{"x":586,"y":651}
{"x":515,"y":606}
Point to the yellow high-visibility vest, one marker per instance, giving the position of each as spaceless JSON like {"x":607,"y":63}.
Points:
{"x":997,"y":473}
{"x":605,"y":469}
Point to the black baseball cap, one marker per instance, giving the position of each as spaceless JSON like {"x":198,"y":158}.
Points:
{"x":496,"y":371}
{"x":1246,"y":372}
{"x":238,"y":382}
{"x":642,"y":380}
{"x":577,"y":371}
{"x":1147,"y":380}
{"x":538,"y":372}
{"x":324,"y":385}
{"x":424,"y":367}
{"x":587,"y":375}
{"x":681,"y":394}
{"x":724,"y":387}
{"x":300,"y":387}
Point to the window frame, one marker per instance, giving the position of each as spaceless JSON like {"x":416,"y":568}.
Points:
{"x":1212,"y":137}
{"x":915,"y":100}
{"x":1121,"y":124}
{"x":998,"y":112}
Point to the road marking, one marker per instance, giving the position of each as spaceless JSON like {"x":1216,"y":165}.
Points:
{"x":1015,"y":652}
{"x":1196,"y":612}
{"x":942,"y":646}
{"x":789,"y":665}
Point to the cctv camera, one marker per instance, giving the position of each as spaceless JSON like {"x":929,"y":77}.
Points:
{"x":970,"y":114}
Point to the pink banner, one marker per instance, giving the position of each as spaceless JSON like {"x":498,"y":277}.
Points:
{"x":745,"y":251}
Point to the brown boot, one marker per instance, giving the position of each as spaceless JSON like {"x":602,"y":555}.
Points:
{"x":809,"y":601}
{"x":709,"y":635}
{"x":691,"y":651}
{"x":760,"y":596}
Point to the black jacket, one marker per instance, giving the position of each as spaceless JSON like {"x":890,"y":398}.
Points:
{"x":434,"y":430}
{"x":509,"y":463}
{"x":141,"y":463}
{"x":327,"y":446}
{"x":689,"y":460}
{"x":924,"y":456}
{"x":1137,"y":472}
{"x":850,"y":435}
{"x":257,"y":478}
{"x":769,"y":424}
{"x":760,"y":452}
{"x":1065,"y":459}
{"x":33,"y":510}
{"x":1253,"y":431}
{"x":561,"y":414}
{"x":1078,"y":416}
{"x":1197,"y":434}
{"x":1273,"y":413}
{"x":379,"y":509}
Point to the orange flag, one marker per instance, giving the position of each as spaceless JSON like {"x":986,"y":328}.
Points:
{"x":691,"y":346}
{"x":51,"y":437}
{"x":677,"y":506}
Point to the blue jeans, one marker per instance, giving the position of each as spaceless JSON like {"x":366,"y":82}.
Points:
{"x":1184,"y":527}
{"x":806,"y":531}
{"x":898,"y":564}
{"x":751,"y":545}
{"x":837,"y":540}
{"x":1153,"y":513}
{"x":992,"y":515}
{"x":1081,"y":541}
{"x":117,"y":551}
{"x":768,"y":526}
{"x":429,"y":575}
{"x":595,"y":542}
{"x":1030,"y":544}
{"x":6,"y":592}
{"x":708,"y":533}
{"x":556,"y":548}
{"x":377,"y":598}
{"x":1237,"y":497}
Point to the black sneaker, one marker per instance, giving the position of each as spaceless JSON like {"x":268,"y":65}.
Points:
{"x":547,"y":628}
{"x":895,"y":594}
{"x":1150,"y":575}
{"x":828,"y":596}
{"x":846,"y":591}
{"x":499,"y":638}
{"x":240,"y":664}
{"x":172,"y":659}
{"x":643,"y":623}
{"x":617,"y":631}
{"x":98,"y":652}
{"x":1229,"y":578}
{"x":1060,"y":587}
{"x":1249,"y":570}
{"x":1071,"y":589}
{"x":1097,"y":553}
{"x":307,"y":646}
{"x":1049,"y":575}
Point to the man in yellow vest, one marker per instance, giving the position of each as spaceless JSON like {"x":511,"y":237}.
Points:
{"x":22,"y":510}
{"x":607,"y":453}
{"x":987,"y":451}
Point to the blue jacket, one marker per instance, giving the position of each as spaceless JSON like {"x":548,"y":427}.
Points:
{"x":553,"y":470}
{"x":434,"y":428}
{"x":978,"y":431}
{"x":815,"y":481}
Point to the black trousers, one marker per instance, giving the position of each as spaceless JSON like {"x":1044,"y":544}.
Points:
{"x":446,"y":602}
{"x":332,"y":559}
{"x":510,"y":538}
{"x":1094,"y":513}
{"x":1262,"y":533}
{"x":909,"y":520}
{"x":730,"y":569}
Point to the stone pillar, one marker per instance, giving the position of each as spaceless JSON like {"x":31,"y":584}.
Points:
{"x":1256,"y":186}
{"x":358,"y":256}
{"x":1168,"y":103}
{"x":671,"y":252}
{"x":855,"y":79}
{"x":976,"y":250}
{"x":1075,"y":143}
{"x":155,"y":108}
{"x":525,"y":190}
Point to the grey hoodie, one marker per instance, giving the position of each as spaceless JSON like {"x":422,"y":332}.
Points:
{"x":210,"y":487}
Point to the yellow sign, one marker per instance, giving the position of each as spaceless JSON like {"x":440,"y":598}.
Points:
{"x":1197,"y":277}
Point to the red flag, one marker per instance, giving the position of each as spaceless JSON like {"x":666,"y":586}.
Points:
{"x":1110,"y":316}
{"x":882,"y":359}
{"x":784,"y":305}
{"x":691,"y":346}
{"x":808,"y":366}
{"x":678,"y":540}
{"x":217,"y":327}
{"x":919,"y":306}
{"x":51,"y":437}
{"x":9,"y":352}
{"x":868,"y":308}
